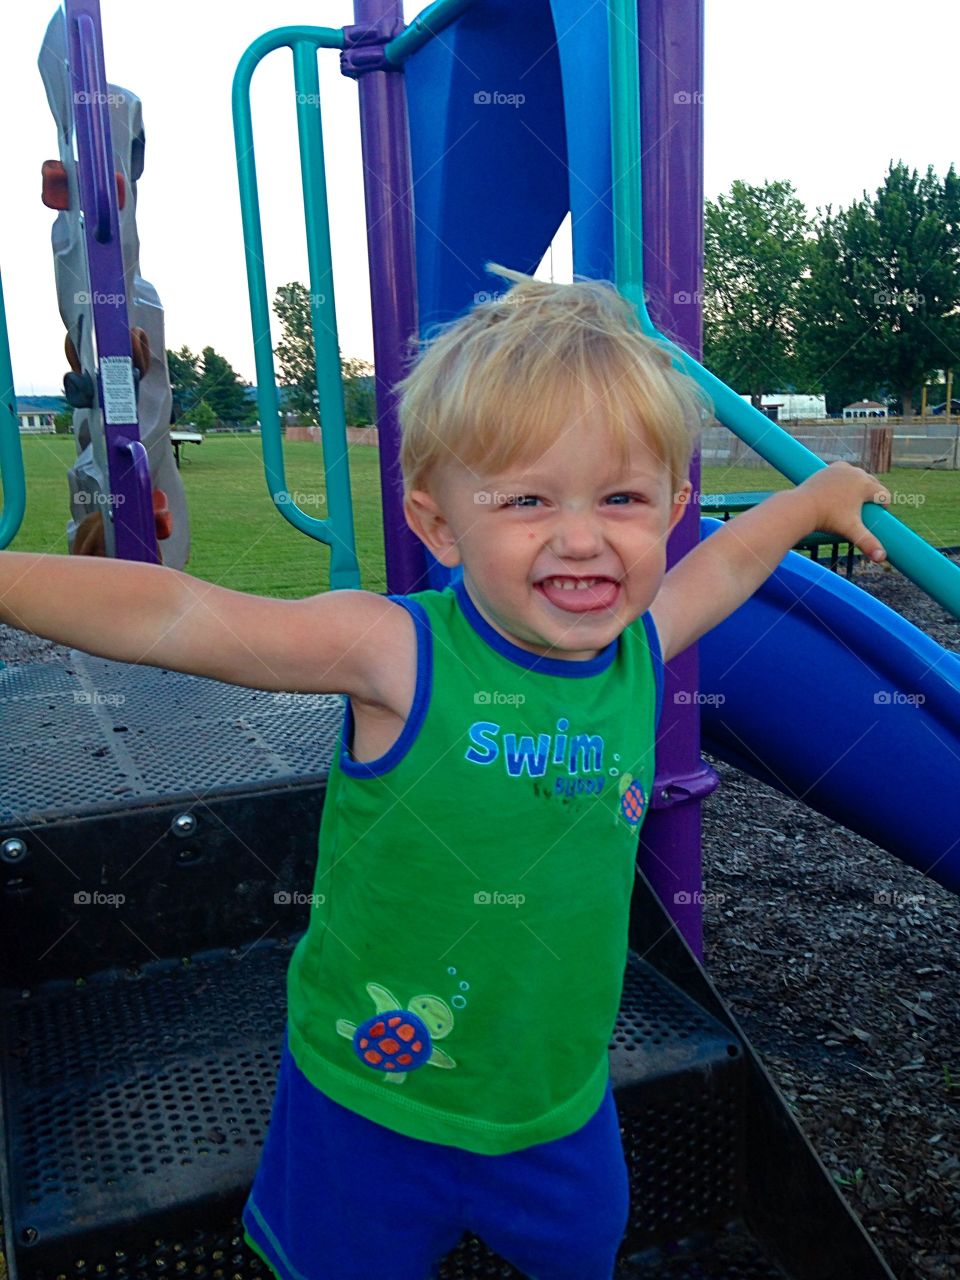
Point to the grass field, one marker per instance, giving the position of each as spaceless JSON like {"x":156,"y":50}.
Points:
{"x":239,"y":539}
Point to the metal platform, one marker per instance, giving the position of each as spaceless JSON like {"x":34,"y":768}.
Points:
{"x":133,"y":1103}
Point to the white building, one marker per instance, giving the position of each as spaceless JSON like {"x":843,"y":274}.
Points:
{"x":787,"y":406}
{"x":36,"y":414}
{"x":865,"y":409}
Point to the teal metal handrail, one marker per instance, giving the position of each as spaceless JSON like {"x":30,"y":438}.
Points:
{"x":11,"y":453}
{"x":423,"y":28}
{"x":337,"y":529}
{"x":910,"y":553}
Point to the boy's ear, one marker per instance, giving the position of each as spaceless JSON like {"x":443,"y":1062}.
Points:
{"x":681,"y":500}
{"x":428,"y":522}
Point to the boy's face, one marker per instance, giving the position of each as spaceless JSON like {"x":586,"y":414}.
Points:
{"x":575,"y":518}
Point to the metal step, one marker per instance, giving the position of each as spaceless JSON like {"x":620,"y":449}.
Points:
{"x":135,"y":1106}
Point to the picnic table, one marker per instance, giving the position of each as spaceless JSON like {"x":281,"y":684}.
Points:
{"x":727,"y":504}
{"x":178,"y":438}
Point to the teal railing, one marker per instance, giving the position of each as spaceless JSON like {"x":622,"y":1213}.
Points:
{"x":916,"y":558}
{"x":337,"y":528}
{"x":11,"y":455}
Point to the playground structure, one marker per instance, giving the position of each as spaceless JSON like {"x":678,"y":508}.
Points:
{"x":131,"y":1103}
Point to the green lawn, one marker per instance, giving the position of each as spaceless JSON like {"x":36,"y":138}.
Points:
{"x":926,"y":501}
{"x":240,"y":540}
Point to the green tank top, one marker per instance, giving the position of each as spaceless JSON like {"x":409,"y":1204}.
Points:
{"x":462,"y":969}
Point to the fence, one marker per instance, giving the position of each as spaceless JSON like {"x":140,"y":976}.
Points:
{"x":876,"y":446}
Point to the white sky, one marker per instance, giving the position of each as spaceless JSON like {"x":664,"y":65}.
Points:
{"x":823,"y":93}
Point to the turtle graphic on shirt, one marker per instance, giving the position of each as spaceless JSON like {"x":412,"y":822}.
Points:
{"x":633,"y":801}
{"x":396,"y":1040}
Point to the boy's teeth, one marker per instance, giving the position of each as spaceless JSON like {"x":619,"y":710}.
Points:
{"x":568,"y":585}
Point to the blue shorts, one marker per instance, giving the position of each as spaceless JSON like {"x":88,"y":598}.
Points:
{"x":338,"y":1197}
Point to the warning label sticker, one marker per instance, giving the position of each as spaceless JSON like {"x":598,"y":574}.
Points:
{"x":119,"y":399}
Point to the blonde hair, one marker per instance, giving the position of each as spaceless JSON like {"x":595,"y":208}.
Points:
{"x":493,"y":388}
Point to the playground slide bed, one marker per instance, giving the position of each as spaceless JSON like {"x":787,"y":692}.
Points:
{"x":850,"y":1000}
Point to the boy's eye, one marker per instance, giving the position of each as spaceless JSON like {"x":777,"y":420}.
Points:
{"x":631,"y":497}
{"x":519,"y":500}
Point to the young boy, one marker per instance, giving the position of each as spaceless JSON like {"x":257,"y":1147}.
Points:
{"x":450,"y":1005}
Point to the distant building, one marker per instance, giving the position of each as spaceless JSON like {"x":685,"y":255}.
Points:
{"x":786,"y":406}
{"x":36,"y":414}
{"x":865,"y":409}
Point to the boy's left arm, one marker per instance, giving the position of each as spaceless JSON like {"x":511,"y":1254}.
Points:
{"x":726,"y":568}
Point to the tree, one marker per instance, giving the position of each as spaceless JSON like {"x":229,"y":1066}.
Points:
{"x":202,"y":417}
{"x":63,"y":422}
{"x":291,"y":304}
{"x":183,"y":368}
{"x":222,"y":388}
{"x":757,"y":247}
{"x":359,"y":392}
{"x":294,"y":351}
{"x":881,"y":302}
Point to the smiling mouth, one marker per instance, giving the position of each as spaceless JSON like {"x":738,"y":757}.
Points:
{"x":579,"y":595}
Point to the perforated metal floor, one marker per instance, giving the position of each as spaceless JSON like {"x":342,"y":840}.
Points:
{"x":125,"y":735}
{"x":132,"y":1100}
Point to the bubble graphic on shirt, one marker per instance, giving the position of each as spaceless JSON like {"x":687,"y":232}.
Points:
{"x":614,"y":773}
{"x":458,"y":1001}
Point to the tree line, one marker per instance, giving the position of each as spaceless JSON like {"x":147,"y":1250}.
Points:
{"x":859,"y":304}
{"x":208,"y":391}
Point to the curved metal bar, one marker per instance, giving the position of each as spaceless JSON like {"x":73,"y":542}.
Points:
{"x":11,"y":452}
{"x":337,"y":529}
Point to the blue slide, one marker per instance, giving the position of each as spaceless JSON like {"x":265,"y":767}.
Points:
{"x":825,"y":693}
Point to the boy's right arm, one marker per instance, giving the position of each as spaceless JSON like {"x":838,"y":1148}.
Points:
{"x":339,"y":642}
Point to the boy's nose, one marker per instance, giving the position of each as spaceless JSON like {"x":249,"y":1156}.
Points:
{"x":577,"y":535}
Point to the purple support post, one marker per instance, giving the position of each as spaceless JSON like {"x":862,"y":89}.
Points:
{"x":671,"y":105}
{"x":131,"y":499}
{"x":388,"y":193}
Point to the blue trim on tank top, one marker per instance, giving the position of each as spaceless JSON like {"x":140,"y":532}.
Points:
{"x":570,"y":668}
{"x":418,"y":712}
{"x":656,"y":656}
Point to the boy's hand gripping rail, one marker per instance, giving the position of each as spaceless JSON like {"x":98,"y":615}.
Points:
{"x":337,"y":529}
{"x":910,"y":553}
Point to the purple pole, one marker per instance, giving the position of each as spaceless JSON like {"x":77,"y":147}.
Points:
{"x":131,"y":506}
{"x":393,"y":288}
{"x":671,"y":106}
